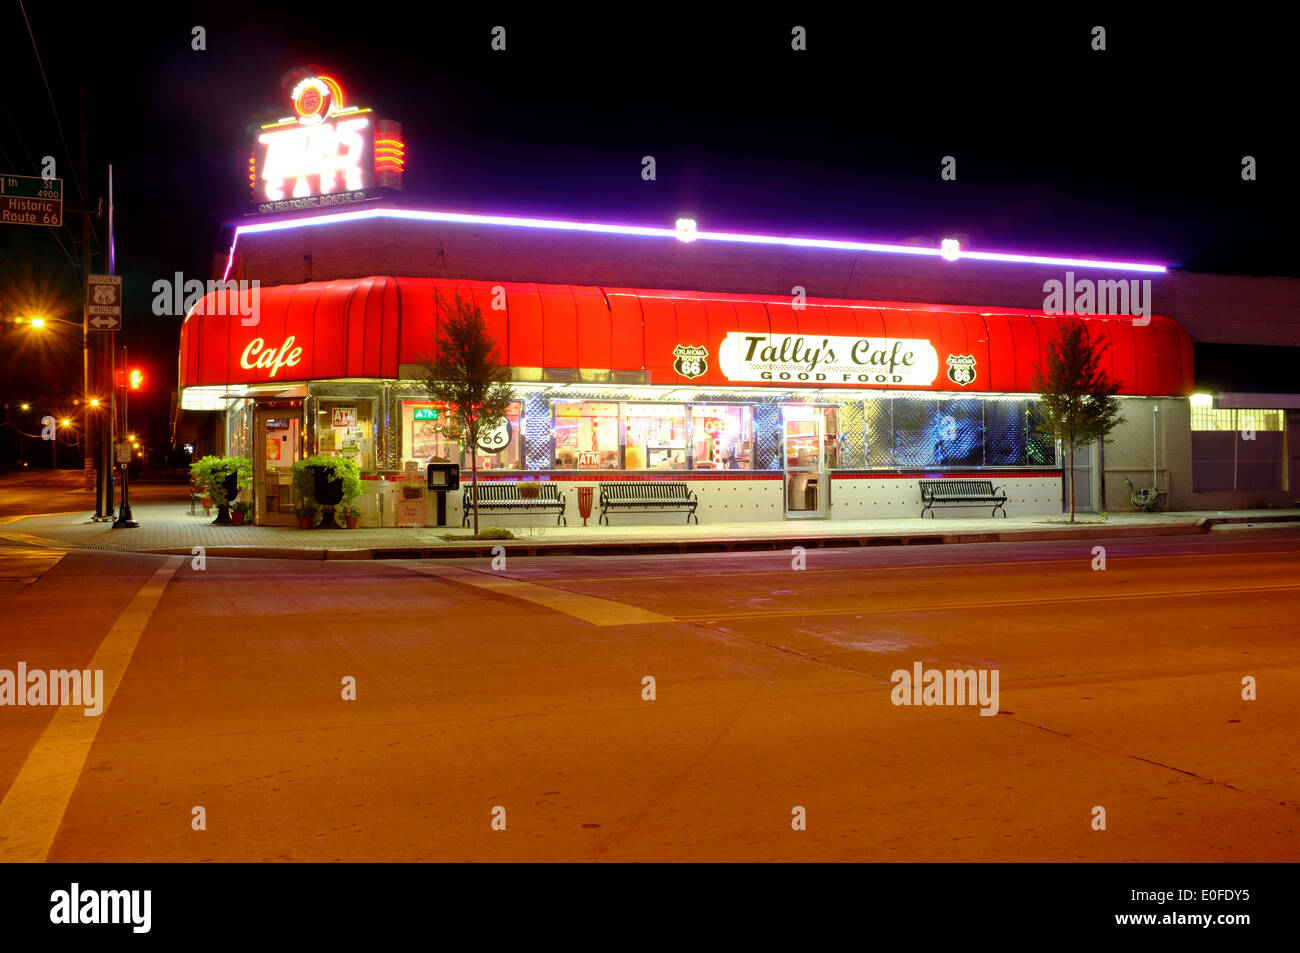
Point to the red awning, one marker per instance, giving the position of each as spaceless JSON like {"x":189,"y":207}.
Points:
{"x":367,"y":327}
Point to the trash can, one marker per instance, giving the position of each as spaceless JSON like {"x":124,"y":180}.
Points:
{"x":584,"y":502}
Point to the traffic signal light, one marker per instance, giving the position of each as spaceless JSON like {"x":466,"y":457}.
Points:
{"x":137,"y":378}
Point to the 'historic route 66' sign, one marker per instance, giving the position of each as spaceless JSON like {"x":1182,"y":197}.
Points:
{"x":690,"y":361}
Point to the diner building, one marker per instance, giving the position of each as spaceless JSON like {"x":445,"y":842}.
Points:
{"x":781,"y":378}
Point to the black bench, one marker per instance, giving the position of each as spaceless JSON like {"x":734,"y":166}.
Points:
{"x":960,"y":493}
{"x":506,"y":496}
{"x":647,"y":495}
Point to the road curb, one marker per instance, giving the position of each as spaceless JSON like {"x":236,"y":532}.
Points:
{"x":483,"y":549}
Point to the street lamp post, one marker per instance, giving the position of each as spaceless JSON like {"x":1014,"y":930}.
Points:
{"x":64,"y":424}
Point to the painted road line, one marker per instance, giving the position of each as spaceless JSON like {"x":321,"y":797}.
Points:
{"x":33,"y":809}
{"x":946,"y":606}
{"x":590,"y":609}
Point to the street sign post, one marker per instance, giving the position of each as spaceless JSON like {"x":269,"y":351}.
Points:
{"x":104,"y":303}
{"x":31,"y":200}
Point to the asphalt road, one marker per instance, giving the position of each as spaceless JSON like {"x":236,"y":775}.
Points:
{"x":42,"y":491}
{"x":521,"y":688}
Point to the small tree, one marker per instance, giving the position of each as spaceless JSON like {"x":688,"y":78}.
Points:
{"x":465,"y":376}
{"x":1079,"y":404}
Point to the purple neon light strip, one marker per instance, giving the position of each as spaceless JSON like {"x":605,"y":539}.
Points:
{"x":339,"y":218}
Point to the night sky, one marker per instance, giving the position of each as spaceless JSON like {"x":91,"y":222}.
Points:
{"x":1134,"y":152}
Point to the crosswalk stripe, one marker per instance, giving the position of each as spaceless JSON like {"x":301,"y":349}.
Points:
{"x":33,"y":809}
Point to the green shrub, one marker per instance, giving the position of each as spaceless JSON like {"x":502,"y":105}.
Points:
{"x":211,"y":472}
{"x":344,"y":468}
{"x":494,"y":532}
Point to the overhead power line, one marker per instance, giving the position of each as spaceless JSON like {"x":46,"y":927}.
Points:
{"x":64,"y":139}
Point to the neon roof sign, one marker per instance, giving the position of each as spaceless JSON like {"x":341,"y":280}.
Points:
{"x":674,"y":234}
{"x":326,"y":153}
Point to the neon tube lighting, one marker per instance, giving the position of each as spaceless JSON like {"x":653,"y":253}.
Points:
{"x":413,"y":215}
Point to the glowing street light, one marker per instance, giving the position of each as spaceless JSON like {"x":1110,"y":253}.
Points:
{"x":41,"y":321}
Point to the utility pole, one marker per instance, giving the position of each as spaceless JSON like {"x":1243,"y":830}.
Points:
{"x":124,"y":520}
{"x":93,"y":356}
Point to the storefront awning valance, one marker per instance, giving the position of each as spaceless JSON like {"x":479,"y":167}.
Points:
{"x":370,"y":327}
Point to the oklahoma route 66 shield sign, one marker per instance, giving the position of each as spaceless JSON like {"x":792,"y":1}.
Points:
{"x":691,"y":361}
{"x":961,"y":370}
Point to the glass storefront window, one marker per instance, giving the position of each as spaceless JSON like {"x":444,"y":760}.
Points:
{"x":655,"y":436}
{"x":423,"y":439}
{"x":831,"y":437}
{"x":722,"y":437}
{"x":916,"y":431}
{"x":344,"y":429}
{"x":586,"y":435}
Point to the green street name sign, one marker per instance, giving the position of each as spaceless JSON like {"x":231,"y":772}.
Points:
{"x":30,"y":200}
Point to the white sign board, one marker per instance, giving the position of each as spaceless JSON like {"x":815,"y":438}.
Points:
{"x":900,"y":362}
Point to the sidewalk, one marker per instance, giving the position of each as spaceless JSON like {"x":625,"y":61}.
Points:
{"x":169,"y":527}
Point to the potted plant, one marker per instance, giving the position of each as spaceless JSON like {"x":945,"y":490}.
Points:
{"x":224,"y":477}
{"x":239,"y":511}
{"x":412,"y":490}
{"x":351,"y":514}
{"x":529,"y":491}
{"x":306,"y":514}
{"x":325,"y":482}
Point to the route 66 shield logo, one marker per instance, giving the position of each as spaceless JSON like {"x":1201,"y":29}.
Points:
{"x":691,"y":361}
{"x":961,"y":370}
{"x":496,"y":439}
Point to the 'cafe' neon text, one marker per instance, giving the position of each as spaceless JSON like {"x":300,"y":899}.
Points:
{"x":258,"y":355}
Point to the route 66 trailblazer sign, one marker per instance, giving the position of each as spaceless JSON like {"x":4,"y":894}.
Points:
{"x":104,"y":302}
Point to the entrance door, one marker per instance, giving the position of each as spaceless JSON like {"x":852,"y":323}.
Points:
{"x":807,"y":479}
{"x":277,"y":441}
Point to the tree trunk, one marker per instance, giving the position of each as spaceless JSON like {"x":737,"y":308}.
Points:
{"x":473,"y":469}
{"x":1071,"y":483}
